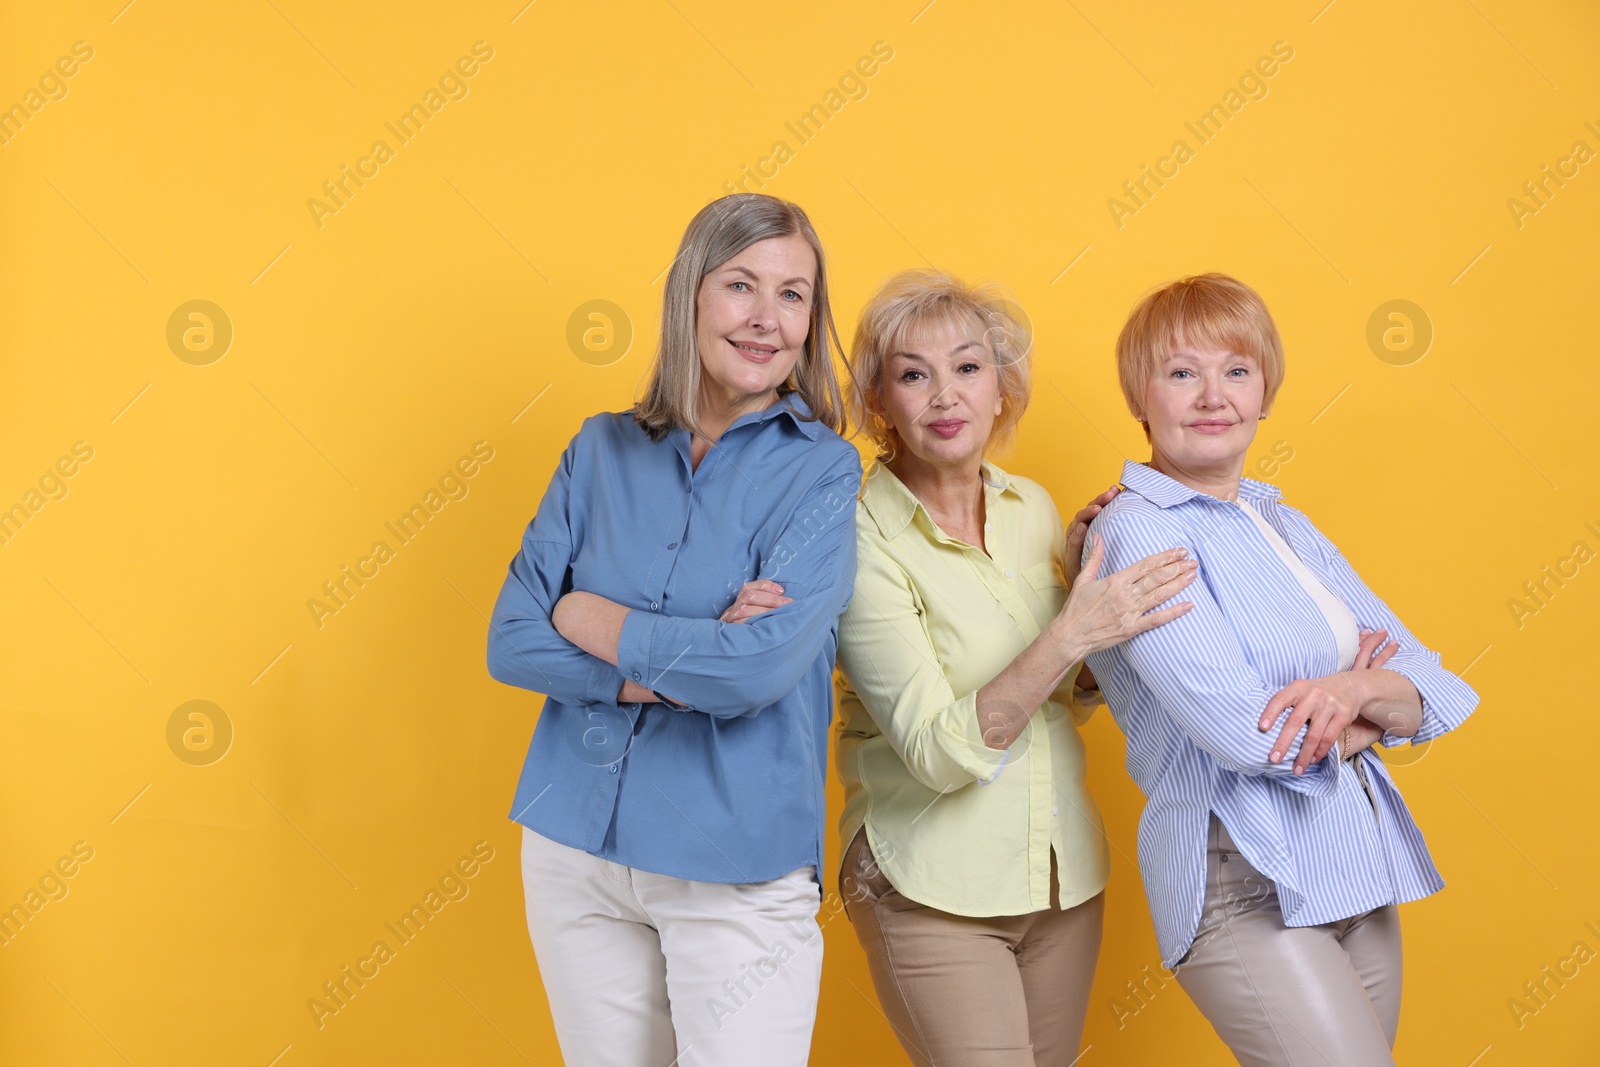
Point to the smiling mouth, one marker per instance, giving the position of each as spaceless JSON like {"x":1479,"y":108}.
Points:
{"x":754,"y":352}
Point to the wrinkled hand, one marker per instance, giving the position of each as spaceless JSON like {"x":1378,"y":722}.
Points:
{"x":1325,"y":706}
{"x":1080,"y":529}
{"x":755,"y":598}
{"x":1102,"y":612}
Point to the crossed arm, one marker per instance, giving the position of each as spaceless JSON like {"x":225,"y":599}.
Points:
{"x":1199,"y":673}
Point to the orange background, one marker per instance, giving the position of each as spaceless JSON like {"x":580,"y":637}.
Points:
{"x":371,"y":347}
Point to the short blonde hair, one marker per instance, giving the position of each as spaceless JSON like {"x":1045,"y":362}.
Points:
{"x":913,"y":299}
{"x":721,"y":230}
{"x":1205,"y":311}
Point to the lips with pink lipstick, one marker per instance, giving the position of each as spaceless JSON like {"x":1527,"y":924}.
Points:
{"x":1211,"y":426}
{"x":754,"y":351}
{"x":947,"y":427}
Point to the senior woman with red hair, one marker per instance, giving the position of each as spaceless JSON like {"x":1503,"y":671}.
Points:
{"x":1273,"y":844}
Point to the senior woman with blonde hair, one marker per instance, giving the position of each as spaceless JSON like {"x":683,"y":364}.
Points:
{"x":973,"y":856}
{"x":1274,"y":845}
{"x":672,"y":797}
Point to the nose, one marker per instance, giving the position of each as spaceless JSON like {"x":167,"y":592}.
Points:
{"x":944,"y":396}
{"x":764,"y":313}
{"x":1211,"y":393}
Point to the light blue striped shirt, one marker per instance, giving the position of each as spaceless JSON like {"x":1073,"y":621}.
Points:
{"x":1188,"y":696}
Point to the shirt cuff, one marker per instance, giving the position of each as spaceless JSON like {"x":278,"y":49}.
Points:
{"x":605,"y":682}
{"x":633,"y":649}
{"x":957,"y":734}
{"x":1446,"y":699}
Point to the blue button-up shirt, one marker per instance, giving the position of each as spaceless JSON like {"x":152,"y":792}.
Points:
{"x":1188,"y":696}
{"x":729,"y":786}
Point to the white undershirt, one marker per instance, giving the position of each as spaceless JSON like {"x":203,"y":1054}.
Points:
{"x":1340,"y":619}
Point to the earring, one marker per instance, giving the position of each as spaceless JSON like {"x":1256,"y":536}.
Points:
{"x":1261,"y":416}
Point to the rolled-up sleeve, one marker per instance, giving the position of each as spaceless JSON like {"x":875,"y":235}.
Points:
{"x":1446,"y":699}
{"x":1196,"y":668}
{"x":525,"y":650}
{"x":888,"y":656}
{"x":733,"y":669}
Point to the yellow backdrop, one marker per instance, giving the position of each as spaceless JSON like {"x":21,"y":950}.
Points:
{"x":284,"y":281}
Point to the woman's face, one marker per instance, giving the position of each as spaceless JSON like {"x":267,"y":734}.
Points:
{"x":752,"y":315}
{"x":1202,"y":405}
{"x":941,"y":393}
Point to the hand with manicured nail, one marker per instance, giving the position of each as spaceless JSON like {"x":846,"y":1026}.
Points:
{"x":755,"y":598}
{"x":1325,"y":706}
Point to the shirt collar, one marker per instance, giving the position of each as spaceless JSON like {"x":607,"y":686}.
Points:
{"x":793,"y":405}
{"x":893,"y":506}
{"x":1164,"y":492}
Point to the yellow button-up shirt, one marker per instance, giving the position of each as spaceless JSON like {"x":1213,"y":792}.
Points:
{"x":956,"y":825}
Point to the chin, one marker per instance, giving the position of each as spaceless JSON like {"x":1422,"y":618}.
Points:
{"x":752,"y":380}
{"x":944,"y":451}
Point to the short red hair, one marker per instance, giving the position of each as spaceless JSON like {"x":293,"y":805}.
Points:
{"x":1203,"y":311}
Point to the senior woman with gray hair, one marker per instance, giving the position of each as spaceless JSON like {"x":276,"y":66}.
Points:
{"x":672,"y":797}
{"x":973,"y":856}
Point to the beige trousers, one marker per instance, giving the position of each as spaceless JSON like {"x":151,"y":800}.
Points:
{"x":1010,"y":991}
{"x":1290,"y":996}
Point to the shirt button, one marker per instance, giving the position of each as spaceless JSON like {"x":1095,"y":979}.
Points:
{"x":636,"y":676}
{"x":654,"y":606}
{"x":613,"y":768}
{"x":1055,"y":809}
{"x":673,"y":545}
{"x":1008,"y":572}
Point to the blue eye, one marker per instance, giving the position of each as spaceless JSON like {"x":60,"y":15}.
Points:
{"x":732,"y":285}
{"x":791,"y":292}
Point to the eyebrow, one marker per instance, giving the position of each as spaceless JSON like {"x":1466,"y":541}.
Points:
{"x":958,"y":349}
{"x":752,"y":274}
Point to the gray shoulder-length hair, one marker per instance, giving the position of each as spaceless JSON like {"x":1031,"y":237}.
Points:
{"x":722,"y":229}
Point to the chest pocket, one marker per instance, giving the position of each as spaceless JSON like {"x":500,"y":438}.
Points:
{"x":1048,"y":586}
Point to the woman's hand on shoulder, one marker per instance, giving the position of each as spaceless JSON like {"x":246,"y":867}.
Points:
{"x":1102,"y":612}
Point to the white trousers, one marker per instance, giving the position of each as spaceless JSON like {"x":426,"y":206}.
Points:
{"x":645,"y":970}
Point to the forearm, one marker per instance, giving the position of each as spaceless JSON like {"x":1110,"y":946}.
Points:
{"x":1363,"y":735}
{"x":1007,"y":703}
{"x":594,"y":624}
{"x":526,"y":650}
{"x":591,"y":622}
{"x":1393,"y":704}
{"x":634,"y":693}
